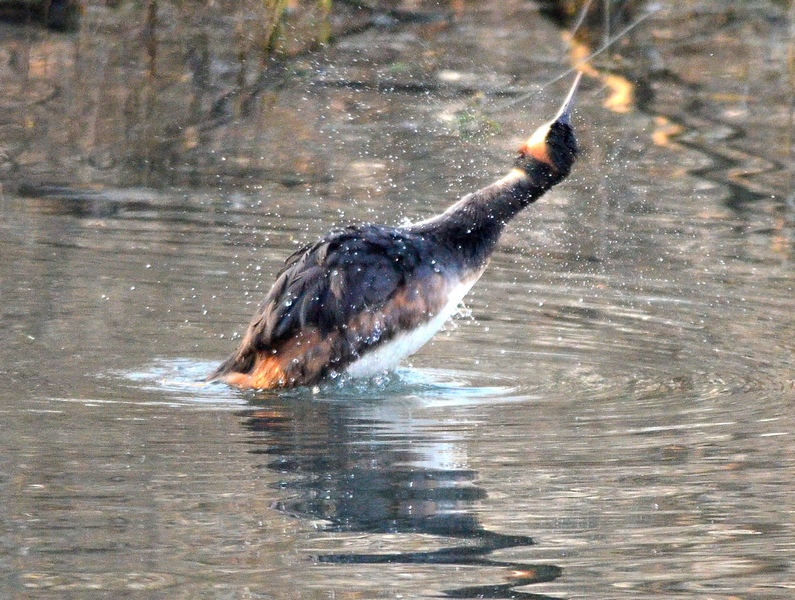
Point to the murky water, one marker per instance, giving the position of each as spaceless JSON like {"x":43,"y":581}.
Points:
{"x":613,"y":417}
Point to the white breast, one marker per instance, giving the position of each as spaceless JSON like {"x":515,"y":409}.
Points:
{"x":388,"y":355}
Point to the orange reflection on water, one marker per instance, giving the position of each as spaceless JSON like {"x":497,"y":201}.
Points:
{"x":622,"y":91}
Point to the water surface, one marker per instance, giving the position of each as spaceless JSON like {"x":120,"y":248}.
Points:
{"x":610,"y":417}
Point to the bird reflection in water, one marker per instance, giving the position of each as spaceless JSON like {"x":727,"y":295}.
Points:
{"x":380,"y":468}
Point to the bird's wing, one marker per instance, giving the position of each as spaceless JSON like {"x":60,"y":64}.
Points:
{"x":326,"y":284}
{"x":352,"y":290}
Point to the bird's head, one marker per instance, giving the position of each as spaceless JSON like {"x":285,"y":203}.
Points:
{"x":553,"y":145}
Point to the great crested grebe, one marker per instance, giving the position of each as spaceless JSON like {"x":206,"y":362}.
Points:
{"x":365,"y":297}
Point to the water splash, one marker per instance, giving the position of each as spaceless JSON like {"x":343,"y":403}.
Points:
{"x":182,"y":379}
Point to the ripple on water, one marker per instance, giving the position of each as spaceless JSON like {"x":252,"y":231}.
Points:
{"x":182,"y":380}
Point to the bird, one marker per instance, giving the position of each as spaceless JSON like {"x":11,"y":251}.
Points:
{"x":364,"y":297}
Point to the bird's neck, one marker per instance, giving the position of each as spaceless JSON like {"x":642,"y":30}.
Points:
{"x":472,"y":226}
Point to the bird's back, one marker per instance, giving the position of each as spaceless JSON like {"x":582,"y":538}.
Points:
{"x":338,"y":299}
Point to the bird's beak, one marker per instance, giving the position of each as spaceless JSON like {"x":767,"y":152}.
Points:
{"x":564,"y":114}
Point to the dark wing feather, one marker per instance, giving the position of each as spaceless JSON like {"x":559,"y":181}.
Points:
{"x":325,"y":284}
{"x":325,"y":307}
